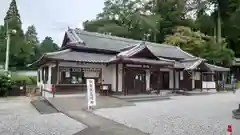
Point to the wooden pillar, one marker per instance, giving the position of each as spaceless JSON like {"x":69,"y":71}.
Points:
{"x":223,"y":80}
{"x":123,"y":80}
{"x":117,"y":78}
{"x":57,"y":67}
{"x":201,"y":77}
{"x":174,"y":79}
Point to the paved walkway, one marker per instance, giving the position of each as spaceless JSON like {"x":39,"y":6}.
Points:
{"x":75,"y":107}
{"x":79,"y":102}
{"x":98,"y":125}
{"x":19,"y":117}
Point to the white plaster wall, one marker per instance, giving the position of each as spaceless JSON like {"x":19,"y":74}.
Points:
{"x":39,"y":77}
{"x":177,"y":80}
{"x":108,"y":72}
{"x":193,"y":80}
{"x":109,"y":76}
{"x":208,"y":85}
{"x":120,"y":69}
{"x":171,"y":79}
{"x":113,"y":76}
{"x":148,"y":74}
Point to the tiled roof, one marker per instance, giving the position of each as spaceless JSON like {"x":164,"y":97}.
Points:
{"x":217,"y":68}
{"x":107,"y":42}
{"x":130,"y":52}
{"x":191,"y":65}
{"x":142,"y":61}
{"x":81,"y":57}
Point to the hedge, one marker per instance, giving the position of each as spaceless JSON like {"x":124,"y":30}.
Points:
{"x":30,"y":80}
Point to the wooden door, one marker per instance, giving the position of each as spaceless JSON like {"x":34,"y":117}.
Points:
{"x":198,"y":80}
{"x":185,"y":80}
{"x":135,"y":81}
{"x":155,"y":80}
{"x":165,"y":80}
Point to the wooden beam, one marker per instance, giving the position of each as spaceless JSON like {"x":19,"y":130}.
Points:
{"x":174,"y":79}
{"x":116,"y":77}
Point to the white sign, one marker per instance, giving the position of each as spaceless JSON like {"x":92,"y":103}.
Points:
{"x":91,"y":93}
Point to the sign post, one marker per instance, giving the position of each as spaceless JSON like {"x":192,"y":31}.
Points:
{"x":91,"y":93}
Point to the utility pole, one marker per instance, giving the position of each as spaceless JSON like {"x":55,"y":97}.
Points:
{"x":7,"y":49}
{"x":8,"y":32}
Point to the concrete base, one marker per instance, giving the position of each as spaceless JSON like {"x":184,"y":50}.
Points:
{"x":236,"y":113}
{"x":141,"y":98}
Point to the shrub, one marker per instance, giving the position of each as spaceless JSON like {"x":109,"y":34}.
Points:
{"x":236,"y":84}
{"x":29,"y":80}
{"x":33,"y":80}
{"x":5,"y":85}
{"x":16,"y":77}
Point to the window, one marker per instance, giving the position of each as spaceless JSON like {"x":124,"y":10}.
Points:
{"x":45,"y":74}
{"x":68,"y":77}
{"x":197,"y":76}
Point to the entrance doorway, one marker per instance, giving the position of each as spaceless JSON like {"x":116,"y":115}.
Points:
{"x":155,"y":80}
{"x":165,"y":77}
{"x":135,"y":81}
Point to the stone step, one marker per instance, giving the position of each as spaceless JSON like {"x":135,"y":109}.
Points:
{"x":143,"y":99}
{"x":43,"y":107}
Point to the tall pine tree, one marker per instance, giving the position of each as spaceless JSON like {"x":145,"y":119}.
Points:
{"x":48,"y":45}
{"x":19,"y":50}
{"x":2,"y":44}
{"x":33,"y":42}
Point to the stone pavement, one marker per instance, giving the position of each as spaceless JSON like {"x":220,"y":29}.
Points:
{"x":75,"y":107}
{"x":74,"y":103}
{"x":98,"y":125}
{"x":19,"y":117}
{"x":183,"y":115}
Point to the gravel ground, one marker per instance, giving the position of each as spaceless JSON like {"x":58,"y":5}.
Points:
{"x":184,"y":115}
{"x":18,"y":117}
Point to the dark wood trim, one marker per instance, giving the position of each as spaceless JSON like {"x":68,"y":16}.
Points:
{"x":116,"y":77}
{"x":174,"y":79}
{"x":100,"y":77}
{"x":123,"y":78}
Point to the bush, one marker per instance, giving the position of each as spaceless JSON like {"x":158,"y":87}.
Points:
{"x":236,"y":84}
{"x":5,"y":85}
{"x":29,"y":80}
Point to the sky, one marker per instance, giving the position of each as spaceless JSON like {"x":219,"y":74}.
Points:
{"x":52,"y":17}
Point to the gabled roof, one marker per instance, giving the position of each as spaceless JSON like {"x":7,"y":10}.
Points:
{"x":140,"y":50}
{"x":217,"y":68}
{"x":191,"y":65}
{"x":113,"y":43}
{"x":140,"y":61}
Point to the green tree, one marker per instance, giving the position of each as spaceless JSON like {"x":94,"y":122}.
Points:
{"x":33,"y":42}
{"x":48,"y":45}
{"x":201,"y":45}
{"x":19,"y":50}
